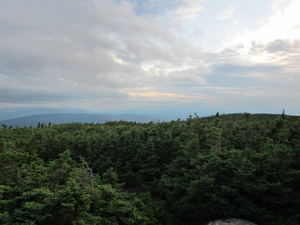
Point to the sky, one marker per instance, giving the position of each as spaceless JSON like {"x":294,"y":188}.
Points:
{"x":181,"y":55}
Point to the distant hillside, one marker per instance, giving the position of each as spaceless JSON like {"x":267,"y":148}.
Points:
{"x":62,"y":118}
{"x":249,"y":116}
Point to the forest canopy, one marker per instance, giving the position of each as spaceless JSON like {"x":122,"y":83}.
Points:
{"x":181,"y":172}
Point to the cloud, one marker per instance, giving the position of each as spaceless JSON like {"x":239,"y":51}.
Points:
{"x":189,"y":9}
{"x":191,"y":79}
{"x":225,"y":56}
{"x":83,"y":48}
{"x":263,"y":57}
{"x":227,"y":13}
{"x":280,"y":45}
{"x":283,"y":23}
{"x":225,"y":90}
{"x":189,"y":76}
{"x":103,"y":53}
{"x":162,"y":97}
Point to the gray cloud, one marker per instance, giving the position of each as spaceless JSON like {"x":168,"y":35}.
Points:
{"x":283,"y":46}
{"x":277,"y":46}
{"x":87,"y":51}
{"x":79,"y":46}
{"x":257,"y":47}
{"x":265,"y":77}
{"x":189,"y":76}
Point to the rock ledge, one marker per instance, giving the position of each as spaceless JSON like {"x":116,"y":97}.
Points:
{"x":231,"y":221}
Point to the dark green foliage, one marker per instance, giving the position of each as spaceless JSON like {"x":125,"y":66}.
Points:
{"x":65,"y":192}
{"x":237,"y":165}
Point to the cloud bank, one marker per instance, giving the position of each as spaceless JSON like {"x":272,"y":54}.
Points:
{"x":116,"y":55}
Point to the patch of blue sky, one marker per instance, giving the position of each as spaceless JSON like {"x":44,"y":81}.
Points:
{"x":249,"y":15}
{"x":152,"y":7}
{"x":221,"y":19}
{"x":240,"y":69}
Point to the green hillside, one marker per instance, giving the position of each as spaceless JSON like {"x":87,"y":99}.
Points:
{"x":181,"y":172}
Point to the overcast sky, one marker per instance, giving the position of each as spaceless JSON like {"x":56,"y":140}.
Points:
{"x":196,"y":55}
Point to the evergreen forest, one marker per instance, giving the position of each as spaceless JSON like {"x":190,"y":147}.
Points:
{"x":189,"y":171}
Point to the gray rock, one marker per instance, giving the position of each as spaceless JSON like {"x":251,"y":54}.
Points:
{"x":231,"y":221}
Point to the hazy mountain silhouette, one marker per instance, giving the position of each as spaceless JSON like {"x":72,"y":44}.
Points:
{"x":61,"y":118}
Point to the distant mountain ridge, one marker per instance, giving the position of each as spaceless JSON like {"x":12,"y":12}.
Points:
{"x":62,"y":118}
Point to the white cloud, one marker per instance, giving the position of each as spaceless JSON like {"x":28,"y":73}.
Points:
{"x":189,"y":9}
{"x":282,"y":24}
{"x":227,"y":13}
